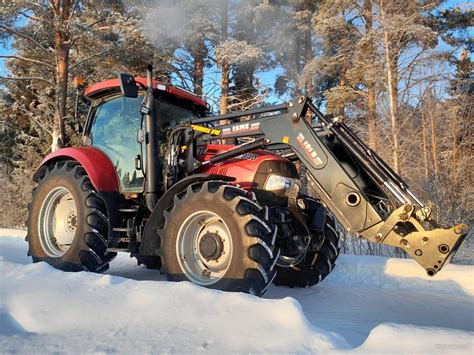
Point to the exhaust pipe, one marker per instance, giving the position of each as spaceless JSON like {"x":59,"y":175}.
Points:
{"x":153,"y":166}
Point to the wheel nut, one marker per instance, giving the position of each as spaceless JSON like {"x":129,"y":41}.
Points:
{"x":405,"y":243}
{"x":418,"y":252}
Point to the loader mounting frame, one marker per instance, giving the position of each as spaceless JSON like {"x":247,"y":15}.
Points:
{"x":345,"y":185}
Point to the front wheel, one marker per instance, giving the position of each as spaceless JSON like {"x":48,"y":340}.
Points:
{"x":67,"y":221}
{"x":216,"y":237}
{"x":315,"y":265}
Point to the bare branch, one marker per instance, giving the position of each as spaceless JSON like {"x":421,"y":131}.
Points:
{"x":42,"y":125}
{"x":27,"y":78}
{"x":28,"y":60}
{"x":54,"y":6}
{"x":89,"y":58}
{"x":24,"y":36}
{"x":34,"y":18}
{"x":71,"y":15}
{"x":96,"y":22}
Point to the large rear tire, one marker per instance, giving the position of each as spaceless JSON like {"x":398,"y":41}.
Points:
{"x":67,"y":222}
{"x":315,"y":266}
{"x":216,"y":237}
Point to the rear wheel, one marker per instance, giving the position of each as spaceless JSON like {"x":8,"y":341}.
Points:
{"x":315,"y":266}
{"x":216,"y":237}
{"x":67,"y":222}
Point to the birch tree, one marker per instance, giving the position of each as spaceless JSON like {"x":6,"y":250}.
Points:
{"x":401,"y":25}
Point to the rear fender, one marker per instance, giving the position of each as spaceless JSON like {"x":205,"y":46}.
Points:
{"x":96,"y":164}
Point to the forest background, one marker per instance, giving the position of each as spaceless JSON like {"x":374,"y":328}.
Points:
{"x":399,"y":71}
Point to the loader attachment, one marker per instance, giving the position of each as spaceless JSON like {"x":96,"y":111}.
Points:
{"x":431,"y":248}
{"x":361,"y":190}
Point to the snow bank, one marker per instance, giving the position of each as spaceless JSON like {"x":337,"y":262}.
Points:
{"x":406,"y":274}
{"x":46,"y":310}
{"x":393,"y":338}
{"x":42,"y":308}
{"x":12,"y":233}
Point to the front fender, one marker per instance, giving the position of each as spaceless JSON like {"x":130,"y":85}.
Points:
{"x":97,"y":165}
{"x":150,"y":241}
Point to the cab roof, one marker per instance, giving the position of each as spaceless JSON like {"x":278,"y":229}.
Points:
{"x":113,"y":85}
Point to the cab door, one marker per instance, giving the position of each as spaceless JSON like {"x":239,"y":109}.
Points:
{"x":113,"y":129}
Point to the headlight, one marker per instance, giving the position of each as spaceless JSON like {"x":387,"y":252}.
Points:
{"x":278,"y":182}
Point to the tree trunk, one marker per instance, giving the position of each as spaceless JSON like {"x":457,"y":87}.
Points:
{"x":371,"y":100}
{"x":224,"y":87}
{"x":391,"y":58}
{"x":424,"y":142}
{"x":434,"y":144}
{"x":454,"y":135}
{"x":199,"y":67}
{"x":372,"y":116}
{"x":308,"y":47}
{"x":61,"y":46}
{"x":341,"y":109}
{"x":224,"y":65}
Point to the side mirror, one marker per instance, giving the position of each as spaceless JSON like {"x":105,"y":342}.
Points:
{"x":128,"y":86}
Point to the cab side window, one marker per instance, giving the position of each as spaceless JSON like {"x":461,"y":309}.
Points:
{"x":113,"y":130}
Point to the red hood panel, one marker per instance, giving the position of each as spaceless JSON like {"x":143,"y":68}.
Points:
{"x":243,"y":167}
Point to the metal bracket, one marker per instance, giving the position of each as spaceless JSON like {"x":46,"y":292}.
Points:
{"x":430,"y":248}
{"x":292,"y":194}
{"x":297,"y":110}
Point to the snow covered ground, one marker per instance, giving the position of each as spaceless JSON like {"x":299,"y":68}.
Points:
{"x":367,"y":305}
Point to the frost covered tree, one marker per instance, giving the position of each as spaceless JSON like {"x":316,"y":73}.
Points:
{"x":35,"y":106}
{"x":236,"y":50}
{"x":54,"y":40}
{"x":401,"y":26}
{"x":363,"y":43}
{"x":348,"y":55}
{"x":293,"y":45}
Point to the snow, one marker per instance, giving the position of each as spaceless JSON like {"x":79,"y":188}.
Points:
{"x":367,"y":305}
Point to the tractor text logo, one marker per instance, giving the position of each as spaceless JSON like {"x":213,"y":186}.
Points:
{"x":309,"y":150}
{"x":244,"y":127}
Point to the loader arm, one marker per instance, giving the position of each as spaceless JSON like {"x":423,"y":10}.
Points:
{"x":362,"y":191}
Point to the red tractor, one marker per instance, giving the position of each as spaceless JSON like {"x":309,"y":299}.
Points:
{"x":153,"y":179}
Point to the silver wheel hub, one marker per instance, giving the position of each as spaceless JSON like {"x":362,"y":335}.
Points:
{"x":204,"y":248}
{"x":57,"y":222}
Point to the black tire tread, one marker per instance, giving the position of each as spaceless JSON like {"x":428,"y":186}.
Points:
{"x":93,"y":255}
{"x":257,"y":278}
{"x":310,"y":271}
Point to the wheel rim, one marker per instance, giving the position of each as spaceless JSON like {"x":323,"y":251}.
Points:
{"x":204,"y":248}
{"x":57,"y":222}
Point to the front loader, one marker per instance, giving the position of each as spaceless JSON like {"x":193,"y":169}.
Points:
{"x":157,"y":178}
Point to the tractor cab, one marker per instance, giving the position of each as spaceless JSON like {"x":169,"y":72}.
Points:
{"x":115,"y":120}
